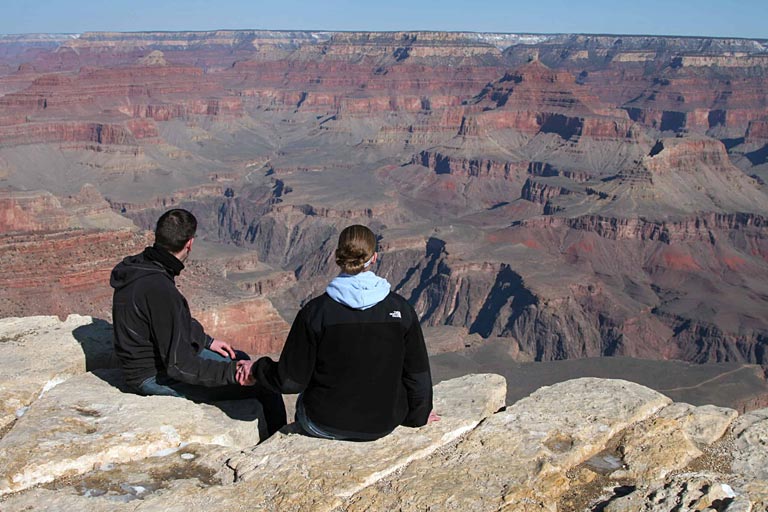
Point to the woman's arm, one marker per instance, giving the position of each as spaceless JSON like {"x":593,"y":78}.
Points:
{"x":417,"y":377}
{"x":291,"y":374}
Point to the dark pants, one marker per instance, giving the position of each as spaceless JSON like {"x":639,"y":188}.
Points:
{"x":272,"y":403}
{"x":312,"y":429}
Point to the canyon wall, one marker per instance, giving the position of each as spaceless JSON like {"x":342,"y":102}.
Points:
{"x":575,"y":195}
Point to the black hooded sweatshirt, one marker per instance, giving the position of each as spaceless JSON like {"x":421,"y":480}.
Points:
{"x":155,"y":333}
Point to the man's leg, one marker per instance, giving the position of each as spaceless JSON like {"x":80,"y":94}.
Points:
{"x":151,"y":387}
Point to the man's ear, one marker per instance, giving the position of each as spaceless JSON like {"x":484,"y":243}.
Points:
{"x":188,"y":245}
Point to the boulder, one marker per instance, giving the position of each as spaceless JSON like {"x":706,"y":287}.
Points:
{"x":703,"y":425}
{"x":653,"y":448}
{"x":519,"y":458}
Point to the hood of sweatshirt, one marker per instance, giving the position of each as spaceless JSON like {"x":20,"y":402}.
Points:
{"x":360,"y":291}
{"x":150,"y":262}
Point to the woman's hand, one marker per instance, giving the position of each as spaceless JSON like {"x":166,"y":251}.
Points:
{"x":433,"y":417}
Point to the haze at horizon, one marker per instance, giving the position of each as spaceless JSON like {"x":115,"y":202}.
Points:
{"x":653,"y":17}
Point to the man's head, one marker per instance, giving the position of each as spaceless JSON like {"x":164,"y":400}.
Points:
{"x":175,"y":231}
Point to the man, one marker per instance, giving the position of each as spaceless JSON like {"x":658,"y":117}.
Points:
{"x":162,"y":349}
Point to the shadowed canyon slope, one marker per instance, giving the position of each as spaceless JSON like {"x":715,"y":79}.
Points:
{"x":576,"y":196}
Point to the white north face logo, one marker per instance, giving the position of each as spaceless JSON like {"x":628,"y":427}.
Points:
{"x":395,"y":314}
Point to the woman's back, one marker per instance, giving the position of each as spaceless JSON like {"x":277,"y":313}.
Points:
{"x":356,"y":353}
{"x":360,"y":361}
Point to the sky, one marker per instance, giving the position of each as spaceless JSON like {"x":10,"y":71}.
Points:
{"x":741,"y":18}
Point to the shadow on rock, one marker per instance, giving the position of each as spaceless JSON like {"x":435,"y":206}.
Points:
{"x":96,"y":341}
{"x":236,"y":409}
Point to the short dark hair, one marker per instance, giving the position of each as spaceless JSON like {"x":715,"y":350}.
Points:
{"x":174,"y":229}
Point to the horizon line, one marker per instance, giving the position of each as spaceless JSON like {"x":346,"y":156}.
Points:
{"x":593,"y":34}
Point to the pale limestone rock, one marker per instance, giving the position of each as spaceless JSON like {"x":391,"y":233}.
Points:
{"x":521,"y":459}
{"x":68,"y":500}
{"x":518,"y":459}
{"x":87,"y":422}
{"x":687,"y":492}
{"x":326,"y":472}
{"x":294,"y":472}
{"x":703,"y":425}
{"x":113,"y":486}
{"x":751,"y":445}
{"x":653,"y":448}
{"x":39,"y":352}
{"x":750,"y":456}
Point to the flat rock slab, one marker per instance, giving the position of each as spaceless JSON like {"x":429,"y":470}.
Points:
{"x":327,"y":472}
{"x":292,"y":472}
{"x":118,"y":487}
{"x":87,"y":422}
{"x":37,"y":353}
{"x":518,"y":459}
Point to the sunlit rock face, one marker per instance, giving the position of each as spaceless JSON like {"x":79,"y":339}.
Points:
{"x":39,"y":353}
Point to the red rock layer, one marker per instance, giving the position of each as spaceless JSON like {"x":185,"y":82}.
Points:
{"x":39,"y":133}
{"x":40,"y":211}
{"x":703,"y":228}
{"x":696,"y":99}
{"x":62,"y":272}
{"x":253,"y":325}
{"x":675,"y":155}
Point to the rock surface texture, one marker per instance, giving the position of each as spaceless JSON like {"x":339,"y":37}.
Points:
{"x":585,"y":444}
{"x":38,"y":353}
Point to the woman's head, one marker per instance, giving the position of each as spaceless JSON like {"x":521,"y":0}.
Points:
{"x":356,"y":249}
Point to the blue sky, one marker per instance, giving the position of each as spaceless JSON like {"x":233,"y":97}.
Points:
{"x":744,"y":18}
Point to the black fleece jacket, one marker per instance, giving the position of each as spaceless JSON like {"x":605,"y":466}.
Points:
{"x":361,"y":371}
{"x":155,"y":333}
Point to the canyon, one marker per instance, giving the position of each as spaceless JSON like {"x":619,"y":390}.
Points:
{"x":574,"y":196}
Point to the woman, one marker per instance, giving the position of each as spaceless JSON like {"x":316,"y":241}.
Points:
{"x":356,"y":354}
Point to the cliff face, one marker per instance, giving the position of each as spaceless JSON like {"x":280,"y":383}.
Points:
{"x":56,"y":252}
{"x":576,"y":195}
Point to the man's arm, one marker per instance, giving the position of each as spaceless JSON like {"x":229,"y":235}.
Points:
{"x":417,"y":377}
{"x":297,"y":361}
{"x":203,"y":340}
{"x":180,"y":339}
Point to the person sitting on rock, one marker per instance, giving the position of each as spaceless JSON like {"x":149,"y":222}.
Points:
{"x":356,"y":354}
{"x":161,"y":348}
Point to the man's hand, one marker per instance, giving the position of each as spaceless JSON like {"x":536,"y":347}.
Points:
{"x":223,"y":348}
{"x":433,"y":417}
{"x":243,"y":373}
